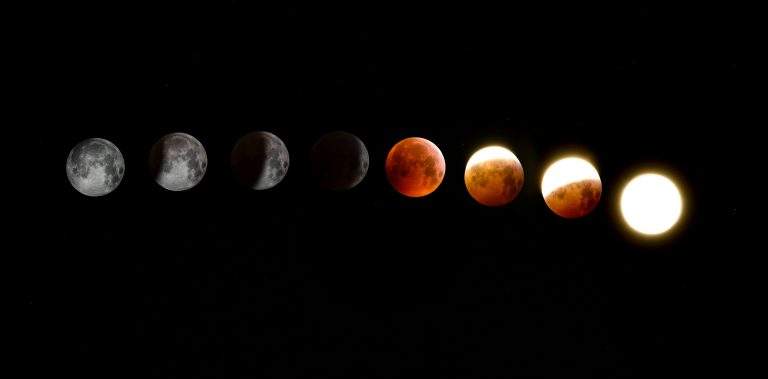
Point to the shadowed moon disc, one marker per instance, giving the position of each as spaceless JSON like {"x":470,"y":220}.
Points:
{"x":178,"y":161}
{"x":571,"y":187}
{"x":95,"y":167}
{"x":415,"y":167}
{"x":260,"y":160}
{"x":339,"y":161}
{"x":494,"y":176}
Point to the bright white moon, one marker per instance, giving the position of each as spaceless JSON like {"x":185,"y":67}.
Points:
{"x":491,"y":152}
{"x":651,"y":204}
{"x":566,"y":171}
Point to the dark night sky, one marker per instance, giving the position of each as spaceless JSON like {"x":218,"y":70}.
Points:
{"x":221,"y":281}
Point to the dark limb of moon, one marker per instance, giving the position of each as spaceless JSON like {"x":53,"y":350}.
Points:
{"x":260,"y":160}
{"x":95,"y":167}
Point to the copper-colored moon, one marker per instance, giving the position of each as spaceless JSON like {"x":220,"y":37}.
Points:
{"x":415,"y":167}
{"x":494,"y":176}
{"x":571,"y":187}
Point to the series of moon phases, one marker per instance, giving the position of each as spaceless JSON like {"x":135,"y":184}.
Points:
{"x":651,"y":204}
{"x":95,"y":167}
{"x":178,"y":161}
{"x":260,"y":160}
{"x":494,"y":176}
{"x":415,"y":167}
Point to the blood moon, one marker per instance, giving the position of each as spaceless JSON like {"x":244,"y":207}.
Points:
{"x":494,"y":176}
{"x":571,"y":187}
{"x":415,"y":167}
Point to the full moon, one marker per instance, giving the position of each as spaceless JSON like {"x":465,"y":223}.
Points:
{"x":260,"y":160}
{"x":339,"y":161}
{"x":178,"y":161}
{"x":494,"y":176}
{"x":571,"y":187}
{"x":95,"y":167}
{"x":415,"y":167}
{"x":651,"y":204}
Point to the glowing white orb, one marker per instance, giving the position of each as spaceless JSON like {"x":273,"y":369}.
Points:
{"x":651,"y":204}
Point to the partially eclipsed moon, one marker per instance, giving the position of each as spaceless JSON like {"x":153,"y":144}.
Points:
{"x":339,"y":161}
{"x":571,"y":187}
{"x":260,"y":160}
{"x":178,"y":161}
{"x":494,"y":176}
{"x":651,"y":204}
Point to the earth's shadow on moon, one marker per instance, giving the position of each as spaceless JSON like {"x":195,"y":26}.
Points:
{"x":259,"y":160}
{"x":339,"y":161}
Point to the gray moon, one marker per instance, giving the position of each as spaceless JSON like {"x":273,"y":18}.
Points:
{"x":95,"y":167}
{"x":260,"y":160}
{"x":339,"y":161}
{"x":178,"y":161}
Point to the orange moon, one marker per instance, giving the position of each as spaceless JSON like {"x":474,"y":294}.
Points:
{"x":571,"y":187}
{"x":415,"y":167}
{"x":494,"y":176}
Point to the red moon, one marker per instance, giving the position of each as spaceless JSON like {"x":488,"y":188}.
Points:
{"x":415,"y":167}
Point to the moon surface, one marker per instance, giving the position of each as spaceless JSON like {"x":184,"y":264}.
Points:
{"x":260,"y":160}
{"x":95,"y":167}
{"x":339,"y":161}
{"x":651,"y":204}
{"x":571,"y":187}
{"x":415,"y":167}
{"x":494,"y":176}
{"x":178,"y":161}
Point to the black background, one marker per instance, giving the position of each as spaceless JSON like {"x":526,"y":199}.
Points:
{"x":221,"y":281}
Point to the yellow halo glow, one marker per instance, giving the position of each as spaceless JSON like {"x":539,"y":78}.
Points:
{"x":566,"y":171}
{"x":651,"y":204}
{"x":491,"y":152}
